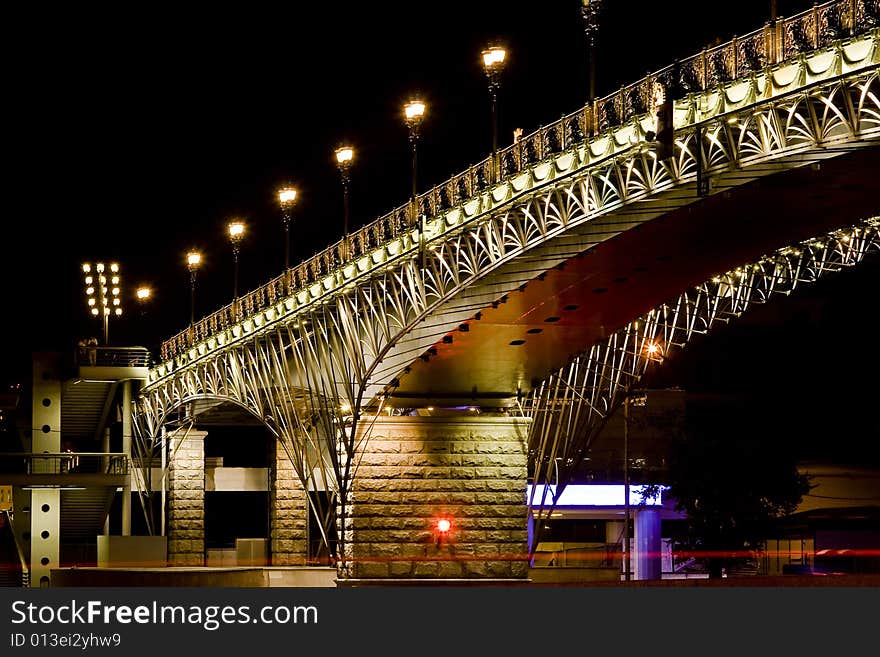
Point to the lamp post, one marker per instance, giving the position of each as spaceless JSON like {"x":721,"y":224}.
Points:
{"x":286,"y":199}
{"x":493,"y":64}
{"x":414,"y":114}
{"x":590,"y":10}
{"x":143,"y":294}
{"x":235,"y":230}
{"x":344,"y":158}
{"x":193,"y":261}
{"x":103,"y":294}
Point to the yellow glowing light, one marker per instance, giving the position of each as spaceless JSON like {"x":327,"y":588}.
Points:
{"x":652,"y":349}
{"x":494,"y":57}
{"x":414,"y":109}
{"x":845,"y":238}
{"x":115,"y":291}
{"x":115,"y":280}
{"x":118,"y":312}
{"x":106,"y":311}
{"x":87,"y":268}
{"x":236,"y":229}
{"x":430,"y":408}
{"x":143,"y":293}
{"x":344,"y":154}
{"x":114,"y":268}
{"x":286,"y":195}
{"x":88,"y":280}
{"x":472,"y":409}
{"x":94,"y":311}
{"x":115,"y":302}
{"x":100,"y":266}
{"x":90,"y":290}
{"x":345,"y":408}
{"x":193,"y":258}
{"x":443,"y":525}
{"x":92,"y":301}
{"x":102,"y":280}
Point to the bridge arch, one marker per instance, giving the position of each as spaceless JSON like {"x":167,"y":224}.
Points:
{"x":314,"y":361}
{"x":571,"y":406}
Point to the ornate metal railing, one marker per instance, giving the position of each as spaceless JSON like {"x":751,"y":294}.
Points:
{"x":754,"y":52}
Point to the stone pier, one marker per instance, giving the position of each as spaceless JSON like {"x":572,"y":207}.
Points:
{"x":416,"y":471}
{"x":289,"y":513}
{"x":186,"y":499}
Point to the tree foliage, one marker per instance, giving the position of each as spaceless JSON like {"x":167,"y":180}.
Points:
{"x":734,"y":473}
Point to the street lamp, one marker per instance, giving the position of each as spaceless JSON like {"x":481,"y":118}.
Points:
{"x":143,"y":294}
{"x":590,"y":10}
{"x":193,"y":261}
{"x":103,"y":292}
{"x":344,"y":158}
{"x":493,"y":64}
{"x":414,"y":114}
{"x":235,"y":230}
{"x":286,"y":198}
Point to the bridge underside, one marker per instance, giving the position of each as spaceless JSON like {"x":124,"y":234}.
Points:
{"x":557,"y":314}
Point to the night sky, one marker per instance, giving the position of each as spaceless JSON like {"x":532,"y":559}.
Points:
{"x":135,"y":136}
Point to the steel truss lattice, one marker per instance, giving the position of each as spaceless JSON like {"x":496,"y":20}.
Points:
{"x":571,"y":407}
{"x":314,"y":376}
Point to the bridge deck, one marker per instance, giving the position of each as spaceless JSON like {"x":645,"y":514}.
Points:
{"x":632,"y":273}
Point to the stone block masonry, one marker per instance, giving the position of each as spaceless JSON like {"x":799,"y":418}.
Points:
{"x":289,"y":514}
{"x":186,"y":499}
{"x":414,"y":471}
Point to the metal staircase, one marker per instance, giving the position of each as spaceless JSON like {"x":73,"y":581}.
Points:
{"x":13,"y":566}
{"x":83,"y":512}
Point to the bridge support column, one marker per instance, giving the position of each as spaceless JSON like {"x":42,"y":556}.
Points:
{"x":648,"y":560}
{"x":417,"y":471}
{"x":289,"y":514}
{"x":186,"y":499}
{"x":45,"y":503}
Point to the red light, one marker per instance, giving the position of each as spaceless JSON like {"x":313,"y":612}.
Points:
{"x":443,"y":525}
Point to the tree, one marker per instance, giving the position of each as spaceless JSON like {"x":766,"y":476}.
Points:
{"x":734,"y":473}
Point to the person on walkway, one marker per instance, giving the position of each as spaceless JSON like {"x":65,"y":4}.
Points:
{"x":93,"y":351}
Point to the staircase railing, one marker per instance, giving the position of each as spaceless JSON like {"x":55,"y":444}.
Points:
{"x":752,"y":53}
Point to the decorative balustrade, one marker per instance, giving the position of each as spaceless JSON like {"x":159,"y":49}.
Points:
{"x":718,"y":65}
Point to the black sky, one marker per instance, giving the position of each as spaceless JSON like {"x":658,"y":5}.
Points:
{"x":135,"y":133}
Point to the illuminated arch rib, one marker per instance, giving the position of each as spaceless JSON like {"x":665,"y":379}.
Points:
{"x":571,"y":406}
{"x":309,"y":360}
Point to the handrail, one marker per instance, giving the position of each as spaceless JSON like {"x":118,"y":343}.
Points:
{"x":94,"y":356}
{"x":718,"y":65}
{"x":62,"y":463}
{"x":25,"y":570}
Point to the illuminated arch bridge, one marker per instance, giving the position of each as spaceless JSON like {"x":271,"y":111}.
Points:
{"x":538,"y":287}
